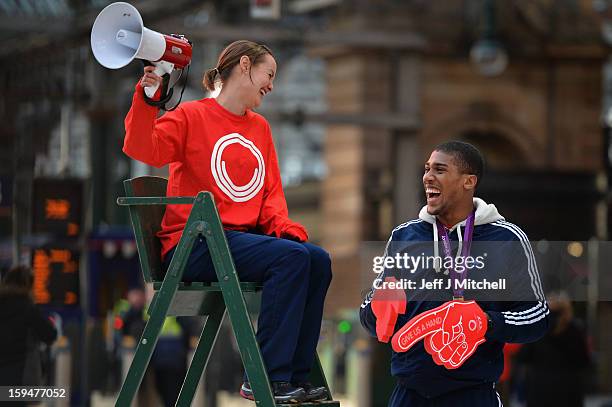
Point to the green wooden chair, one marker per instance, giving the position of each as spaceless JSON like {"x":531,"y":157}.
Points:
{"x":146,"y":201}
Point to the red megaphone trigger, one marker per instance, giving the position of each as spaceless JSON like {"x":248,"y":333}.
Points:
{"x":178,"y":51}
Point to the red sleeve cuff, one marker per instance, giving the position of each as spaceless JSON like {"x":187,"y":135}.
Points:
{"x":295,"y":232}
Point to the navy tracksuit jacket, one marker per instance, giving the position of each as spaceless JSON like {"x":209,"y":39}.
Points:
{"x":519,"y":315}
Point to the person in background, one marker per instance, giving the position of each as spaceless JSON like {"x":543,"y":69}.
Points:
{"x":505,"y":382}
{"x":556,"y":367}
{"x":23,"y":327}
{"x":134,"y":317}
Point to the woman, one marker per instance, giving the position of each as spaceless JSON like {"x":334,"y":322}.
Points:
{"x":23,"y":327}
{"x":220,"y":145}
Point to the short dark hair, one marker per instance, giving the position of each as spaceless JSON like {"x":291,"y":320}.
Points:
{"x":17,"y":280}
{"x":467,"y":157}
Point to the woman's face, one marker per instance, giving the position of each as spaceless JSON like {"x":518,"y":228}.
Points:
{"x":258,"y":80}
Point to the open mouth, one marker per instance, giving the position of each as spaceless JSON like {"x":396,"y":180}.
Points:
{"x":433,"y":194}
{"x":262,"y":92}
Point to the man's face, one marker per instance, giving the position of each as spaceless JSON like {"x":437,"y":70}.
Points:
{"x":444,"y":183}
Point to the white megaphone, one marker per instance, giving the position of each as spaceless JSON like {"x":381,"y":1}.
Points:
{"x":118,"y":36}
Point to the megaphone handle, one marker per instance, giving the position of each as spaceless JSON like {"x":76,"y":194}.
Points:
{"x":161,"y":68}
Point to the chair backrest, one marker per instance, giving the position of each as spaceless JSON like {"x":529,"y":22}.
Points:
{"x":146,"y":222}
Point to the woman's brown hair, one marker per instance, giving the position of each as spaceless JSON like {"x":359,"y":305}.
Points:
{"x":230,"y":57}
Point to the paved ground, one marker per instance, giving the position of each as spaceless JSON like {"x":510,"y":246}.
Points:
{"x":233,"y":400}
{"x":224,"y":400}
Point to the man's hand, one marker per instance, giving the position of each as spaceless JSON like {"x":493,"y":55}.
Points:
{"x":451,"y":332}
{"x":387,"y":304}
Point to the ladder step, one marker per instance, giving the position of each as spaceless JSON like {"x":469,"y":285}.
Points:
{"x":198,"y":286}
{"x":328,"y":403}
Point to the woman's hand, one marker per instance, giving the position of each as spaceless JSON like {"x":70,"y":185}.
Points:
{"x":295,"y":232}
{"x":150,"y":78}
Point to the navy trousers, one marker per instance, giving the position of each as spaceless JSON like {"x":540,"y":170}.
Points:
{"x":483,"y":395}
{"x":295,"y":279}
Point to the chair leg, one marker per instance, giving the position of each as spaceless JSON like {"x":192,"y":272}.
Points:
{"x":141,"y":358}
{"x":317,"y":376}
{"x":249,"y":349}
{"x":202,"y":352}
{"x":157,"y":315}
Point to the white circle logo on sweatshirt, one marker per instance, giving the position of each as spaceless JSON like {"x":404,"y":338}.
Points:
{"x":237,"y":193}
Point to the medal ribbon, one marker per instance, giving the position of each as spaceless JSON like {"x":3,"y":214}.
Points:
{"x":465,"y":251}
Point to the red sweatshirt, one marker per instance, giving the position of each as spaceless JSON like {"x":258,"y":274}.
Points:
{"x":212,"y":149}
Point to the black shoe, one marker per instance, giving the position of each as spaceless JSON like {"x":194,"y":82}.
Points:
{"x":283,"y":392}
{"x":313,"y":393}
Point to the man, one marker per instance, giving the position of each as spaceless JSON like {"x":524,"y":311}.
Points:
{"x":448,"y":336}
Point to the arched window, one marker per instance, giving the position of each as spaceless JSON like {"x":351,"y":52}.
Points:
{"x":500,"y":152}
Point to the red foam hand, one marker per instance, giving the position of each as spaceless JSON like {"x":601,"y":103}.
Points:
{"x":451,"y":332}
{"x":387,"y":304}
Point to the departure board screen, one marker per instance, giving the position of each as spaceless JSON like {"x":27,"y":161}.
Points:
{"x":57,"y":206}
{"x":56,"y":276}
